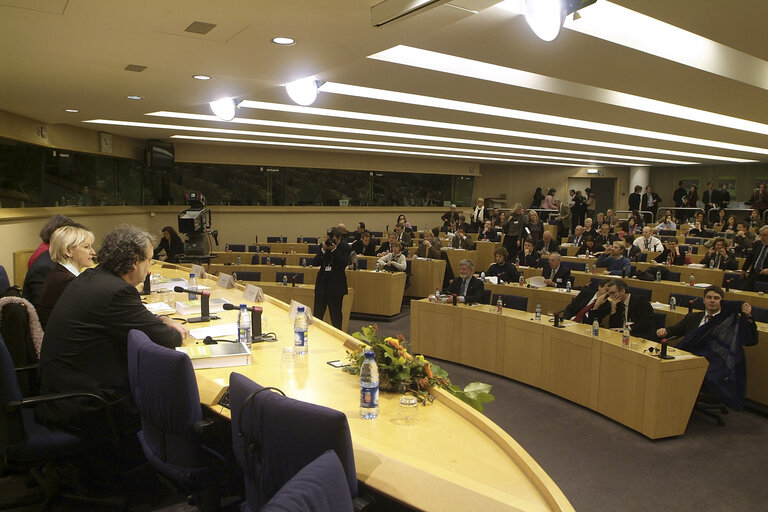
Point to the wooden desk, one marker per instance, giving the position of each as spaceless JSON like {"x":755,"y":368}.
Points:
{"x":456,"y":255}
{"x":640,"y":391}
{"x":453,"y":459}
{"x":426,"y":275}
{"x":485,"y":256}
{"x":305,"y":293}
{"x":268,"y":272}
{"x":20,"y":260}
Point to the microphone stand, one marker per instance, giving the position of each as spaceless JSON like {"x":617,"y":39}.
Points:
{"x":205,"y":311}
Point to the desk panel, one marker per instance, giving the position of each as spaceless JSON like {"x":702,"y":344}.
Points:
{"x":456,"y":255}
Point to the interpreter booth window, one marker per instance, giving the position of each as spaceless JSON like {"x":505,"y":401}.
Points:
{"x":21,"y":174}
{"x":326,"y":187}
{"x":83,"y":179}
{"x":409,"y":189}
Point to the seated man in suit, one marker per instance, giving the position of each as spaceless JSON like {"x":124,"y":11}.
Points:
{"x":622,"y":306}
{"x":466,"y":226}
{"x":713,"y":295}
{"x":554,"y":273}
{"x":467,"y":287}
{"x":528,"y":256}
{"x":488,"y":234}
{"x":720,"y":256}
{"x":755,"y":267}
{"x":386,"y":246}
{"x":502,"y":269}
{"x":614,"y":261}
{"x":672,"y":254}
{"x":578,"y":236}
{"x":461,"y":240}
{"x":402,"y":236}
{"x":429,"y":246}
{"x":547,"y":244}
{"x":363,"y":246}
{"x":631,"y":252}
{"x":586,"y":302}
{"x":743,"y":240}
{"x":605,"y":238}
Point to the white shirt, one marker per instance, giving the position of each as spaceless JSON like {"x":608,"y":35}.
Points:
{"x":654,"y":244}
{"x":71,"y":268}
{"x":704,"y":318}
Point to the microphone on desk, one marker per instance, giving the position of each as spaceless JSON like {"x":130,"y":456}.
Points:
{"x":728,"y":284}
{"x":690,"y":306}
{"x":255,"y":320}
{"x":557,"y":319}
{"x":147,"y":284}
{"x":663,"y":354}
{"x":205,"y":305}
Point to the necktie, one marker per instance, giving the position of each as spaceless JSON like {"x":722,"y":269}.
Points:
{"x":646,"y":244}
{"x":759,"y":261}
{"x":552,"y":275}
{"x":708,"y":318}
{"x":464,"y":287}
{"x":581,"y":314}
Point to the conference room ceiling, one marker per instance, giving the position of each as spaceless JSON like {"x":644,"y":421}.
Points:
{"x":633,"y":82}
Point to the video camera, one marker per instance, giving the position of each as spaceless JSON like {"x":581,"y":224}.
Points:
{"x":195,"y":223}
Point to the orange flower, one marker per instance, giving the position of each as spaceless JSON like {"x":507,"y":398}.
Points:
{"x":428,"y":371}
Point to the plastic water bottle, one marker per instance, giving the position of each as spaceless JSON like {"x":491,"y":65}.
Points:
{"x":482,"y":276}
{"x":658,"y":276}
{"x":692,"y":280}
{"x":517,"y":261}
{"x":369,"y":387}
{"x":499,"y":305}
{"x":522,"y":280}
{"x":285,"y":280}
{"x":672,"y":303}
{"x":269,"y":260}
{"x":586,"y":268}
{"x":711,"y":263}
{"x":538,"y":311}
{"x":244,"y":325}
{"x":234,"y":276}
{"x":301,"y":332}
{"x":238,"y":260}
{"x":625,"y":335}
{"x":568,"y":286}
{"x":378,"y":267}
{"x":595,"y":328}
{"x":594,"y":269}
{"x":192,"y":285}
{"x":226,"y":248}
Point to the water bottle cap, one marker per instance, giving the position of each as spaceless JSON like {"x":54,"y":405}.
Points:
{"x":192,"y":274}
{"x":369,"y":353}
{"x":300,"y":309}
{"x":243,"y":306}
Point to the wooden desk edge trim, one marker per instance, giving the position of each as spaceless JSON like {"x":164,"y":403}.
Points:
{"x":549,"y":490}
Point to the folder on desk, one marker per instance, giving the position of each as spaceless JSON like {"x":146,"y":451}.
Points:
{"x":220,"y":355}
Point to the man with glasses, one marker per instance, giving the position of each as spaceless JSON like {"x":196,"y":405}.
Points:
{"x":755,"y":267}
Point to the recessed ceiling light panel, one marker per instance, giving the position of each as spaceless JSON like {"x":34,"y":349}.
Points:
{"x":201,"y":77}
{"x":134,"y":97}
{"x":71,"y":110}
{"x":283,"y":41}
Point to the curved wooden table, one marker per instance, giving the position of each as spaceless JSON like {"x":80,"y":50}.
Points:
{"x":453,"y":458}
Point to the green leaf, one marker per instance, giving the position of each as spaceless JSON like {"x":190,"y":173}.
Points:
{"x":438,"y":372}
{"x":473,"y":389}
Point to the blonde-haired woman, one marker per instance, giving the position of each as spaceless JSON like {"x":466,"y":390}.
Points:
{"x":72,"y":251}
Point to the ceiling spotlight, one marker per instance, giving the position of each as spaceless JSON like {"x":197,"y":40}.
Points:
{"x":132,"y":97}
{"x":201,"y":77}
{"x":224,"y":108}
{"x":303,"y":91}
{"x":71,"y":110}
{"x":283,"y":41}
{"x":545,"y":17}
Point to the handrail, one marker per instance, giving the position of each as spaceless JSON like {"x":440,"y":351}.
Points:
{"x":645,"y":214}
{"x":732,"y":210}
{"x":685,"y":208}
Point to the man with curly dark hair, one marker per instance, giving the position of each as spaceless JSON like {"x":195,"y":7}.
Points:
{"x":85,"y":343}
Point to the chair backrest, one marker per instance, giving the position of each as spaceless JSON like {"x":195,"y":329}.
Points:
{"x":276,"y":239}
{"x":11,"y":425}
{"x":248,"y":275}
{"x":659,"y":319}
{"x":164,"y":388}
{"x":683,"y":300}
{"x":640,"y":292}
{"x":486,"y":297}
{"x":671,"y":276}
{"x":264,"y":248}
{"x":307,"y":239}
{"x":297,"y":277}
{"x":274,"y":260}
{"x":313,"y":249}
{"x":512,"y":301}
{"x":5,"y":283}
{"x":362,"y":263}
{"x":760,"y":314}
{"x":761,"y":286}
{"x":253,"y":248}
{"x":274,"y":437}
{"x":667,"y":232}
{"x":255,"y":259}
{"x":321,"y":486}
{"x":18,"y":323}
{"x":736,"y":281}
{"x":378,"y":234}
{"x":642,"y":257}
{"x":237,"y":247}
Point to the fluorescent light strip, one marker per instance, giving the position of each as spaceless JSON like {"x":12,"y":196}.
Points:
{"x":508,"y":113}
{"x":351,"y":148}
{"x":176,"y":127}
{"x":417,"y":136}
{"x":426,"y":59}
{"x":564,"y":160}
{"x":346,"y":114}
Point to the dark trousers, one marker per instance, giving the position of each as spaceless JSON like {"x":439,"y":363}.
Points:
{"x":510,"y":244}
{"x":333,"y":304}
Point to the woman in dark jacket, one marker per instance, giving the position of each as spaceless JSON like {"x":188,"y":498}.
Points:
{"x":534,"y":228}
{"x":538,"y":197}
{"x":512,"y":229}
{"x":170,"y":243}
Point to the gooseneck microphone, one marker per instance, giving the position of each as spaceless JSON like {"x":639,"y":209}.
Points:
{"x":255,"y":320}
{"x":147,"y":284}
{"x":205,"y":306}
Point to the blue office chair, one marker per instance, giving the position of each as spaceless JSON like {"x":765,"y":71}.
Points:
{"x":253,"y":248}
{"x":486,"y":297}
{"x":563,"y":252}
{"x":667,"y":232}
{"x":237,"y":247}
{"x":297,"y":277}
{"x":307,"y":239}
{"x":512,"y":301}
{"x":642,"y":292}
{"x":276,"y":239}
{"x":377,"y":234}
{"x":274,"y":437}
{"x":761,"y":286}
{"x":274,"y":260}
{"x":314,"y":249}
{"x":27,"y":446}
{"x":5,"y":283}
{"x":321,"y":486}
{"x":659,"y":320}
{"x":255,"y":259}
{"x":264,"y":248}
{"x":733,"y":280}
{"x":164,"y":388}
{"x":671,"y":276}
{"x":642,"y":257}
{"x":362,"y":264}
{"x":760,"y":314}
{"x":248,"y":275}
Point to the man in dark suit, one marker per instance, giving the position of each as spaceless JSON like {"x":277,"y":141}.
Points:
{"x":605,"y":238}
{"x":755,"y":267}
{"x":713,"y":295}
{"x":502,"y":268}
{"x":631,"y":252}
{"x":528,"y":256}
{"x":709,"y":198}
{"x":402,"y":236}
{"x":547,"y":244}
{"x":364,"y":246}
{"x":386,"y":246}
{"x":85,"y":343}
{"x":719,"y":256}
{"x":578,"y":236}
{"x":581,"y":307}
{"x":635,"y":199}
{"x":488,"y":233}
{"x":680,"y":196}
{"x":622,"y":306}
{"x":554,"y":273}
{"x":650,"y":201}
{"x":467,"y":287}
{"x":331,"y":281}
{"x":672,"y":254}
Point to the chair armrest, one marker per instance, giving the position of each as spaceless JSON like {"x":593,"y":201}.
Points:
{"x":26,"y":368}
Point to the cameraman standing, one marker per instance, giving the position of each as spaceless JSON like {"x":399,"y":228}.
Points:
{"x":331,"y":283}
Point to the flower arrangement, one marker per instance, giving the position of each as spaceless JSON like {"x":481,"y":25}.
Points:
{"x":401,"y":372}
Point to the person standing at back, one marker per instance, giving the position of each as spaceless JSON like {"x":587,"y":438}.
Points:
{"x":635,"y":198}
{"x":331,"y":281}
